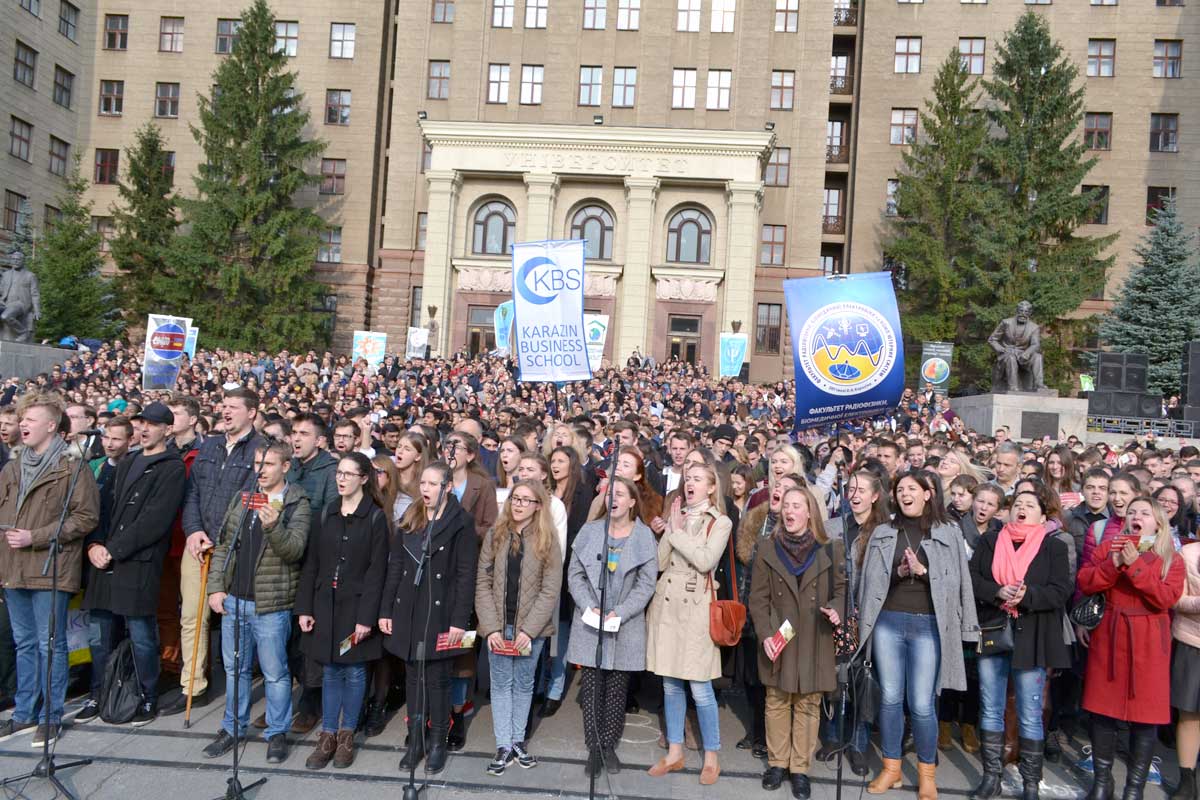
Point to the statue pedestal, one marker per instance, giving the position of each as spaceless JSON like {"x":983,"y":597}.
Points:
{"x":27,"y":360}
{"x":1028,"y":415}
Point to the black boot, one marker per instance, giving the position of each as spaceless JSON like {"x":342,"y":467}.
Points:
{"x":457,"y":739}
{"x":1030,"y":766}
{"x":1104,"y":738}
{"x":1143,"y":738}
{"x":416,"y":744}
{"x":991,"y":755}
{"x":1187,"y":785}
{"x":436,"y":762}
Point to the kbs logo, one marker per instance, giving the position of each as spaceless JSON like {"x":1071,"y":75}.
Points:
{"x":540,"y":279}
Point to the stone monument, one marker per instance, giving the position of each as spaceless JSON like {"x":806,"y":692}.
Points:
{"x":20,"y":301}
{"x":1018,"y":345}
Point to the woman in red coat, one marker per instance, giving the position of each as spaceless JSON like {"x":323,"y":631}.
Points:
{"x":1129,"y":665}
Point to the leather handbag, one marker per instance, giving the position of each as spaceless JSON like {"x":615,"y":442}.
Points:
{"x":996,"y":639}
{"x":865,"y":690}
{"x":726,"y":618}
{"x":1088,"y":612}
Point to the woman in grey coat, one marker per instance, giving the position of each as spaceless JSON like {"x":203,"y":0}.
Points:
{"x":629,"y":565}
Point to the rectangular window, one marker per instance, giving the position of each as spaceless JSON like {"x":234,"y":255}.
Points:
{"x":60,"y":153}
{"x":64,"y":83}
{"x":904,"y":126}
{"x":107,"y":163}
{"x":498,"y":83}
{"x":20,"y":137}
{"x":443,"y":11}
{"x":768,"y":332}
{"x":25,"y":64}
{"x":908,"y":54}
{"x":168,"y":166}
{"x":502,"y":13}
{"x":1102,"y":55}
{"x":787,"y":16}
{"x":890,"y":209}
{"x":591,"y":82}
{"x":51,"y":215}
{"x":531,"y":84}
{"x":414,"y":308}
{"x":971,"y":51}
{"x":422,"y":229}
{"x":833,"y":211}
{"x":628,"y":13}
{"x":1097,"y":130}
{"x":624,"y":87}
{"x":1104,"y":2}
{"x":227,"y":35}
{"x":341,"y":40}
{"x":683,"y":88}
{"x":32,"y":6}
{"x":783,"y":89}
{"x":1038,"y":2}
{"x":68,"y":19}
{"x":112,"y":98}
{"x":1099,"y":211}
{"x":772,"y":245}
{"x":337,"y":106}
{"x":1156,"y":198}
{"x":536,"y":12}
{"x":1168,"y":58}
{"x":439,"y":80}
{"x":426,"y":155}
{"x":778,"y":167}
{"x":107,"y":230}
{"x":170,"y":35}
{"x":166,"y":100}
{"x":720,"y":83}
{"x":595,"y":14}
{"x":832,"y":265}
{"x":287,"y":38}
{"x":330,"y":249}
{"x":12,"y":209}
{"x":333,"y":176}
{"x":116,"y":31}
{"x":687,"y":17}
{"x":1165,"y":3}
{"x":723,"y":12}
{"x":1164,"y":133}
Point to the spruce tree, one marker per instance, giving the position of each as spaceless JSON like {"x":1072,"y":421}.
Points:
{"x":76,"y":300}
{"x":939,"y":205}
{"x":1157,"y":312}
{"x":1036,"y":160}
{"x":145,"y":226}
{"x":244,"y":270}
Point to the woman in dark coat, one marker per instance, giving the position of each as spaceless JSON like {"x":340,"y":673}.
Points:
{"x":1027,"y":590}
{"x":414,"y":613}
{"x":337,"y":601}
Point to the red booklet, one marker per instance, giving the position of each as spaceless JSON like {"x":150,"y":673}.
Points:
{"x":507,"y":648}
{"x":443,"y":641}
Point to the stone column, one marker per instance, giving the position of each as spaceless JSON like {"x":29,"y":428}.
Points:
{"x":541,"y":191}
{"x":637,"y":289}
{"x":444,"y":186}
{"x":744,"y":200}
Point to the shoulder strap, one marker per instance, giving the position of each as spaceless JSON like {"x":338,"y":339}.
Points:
{"x":832,"y":567}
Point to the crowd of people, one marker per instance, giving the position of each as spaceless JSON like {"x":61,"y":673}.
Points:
{"x":433,"y":533}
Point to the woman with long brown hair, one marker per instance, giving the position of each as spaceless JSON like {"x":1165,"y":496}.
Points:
{"x":412,"y":456}
{"x":508,"y":456}
{"x":630,"y":465}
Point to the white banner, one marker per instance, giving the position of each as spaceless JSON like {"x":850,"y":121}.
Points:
{"x":418,"y":339}
{"x":595,"y":329}
{"x":166,"y":337}
{"x":548,"y":304}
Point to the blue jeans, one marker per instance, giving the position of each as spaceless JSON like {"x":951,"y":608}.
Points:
{"x":266,"y":634}
{"x":1029,"y":686}
{"x":460,"y":691}
{"x":29,"y":610}
{"x":675,"y":709}
{"x":512,"y":693}
{"x":342,"y":690}
{"x":556,"y":686}
{"x":855,"y":731}
{"x":143,"y":631}
{"x":907,"y":655}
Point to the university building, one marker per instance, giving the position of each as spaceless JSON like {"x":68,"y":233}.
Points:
{"x":705,"y":149}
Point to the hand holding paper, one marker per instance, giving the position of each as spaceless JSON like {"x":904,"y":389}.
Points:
{"x":777,"y":641}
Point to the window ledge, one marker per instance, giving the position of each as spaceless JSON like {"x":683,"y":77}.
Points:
{"x":684,"y":271}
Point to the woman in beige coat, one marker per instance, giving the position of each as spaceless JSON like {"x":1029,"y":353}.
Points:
{"x":678,"y":645}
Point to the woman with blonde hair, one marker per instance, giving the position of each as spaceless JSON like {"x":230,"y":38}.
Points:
{"x":1141,"y":579}
{"x":517,"y":587}
{"x":952,"y":465}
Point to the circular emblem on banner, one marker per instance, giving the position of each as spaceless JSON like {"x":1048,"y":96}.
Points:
{"x":523,"y":281}
{"x":846,"y":348}
{"x":935,"y":370}
{"x":167,"y":341}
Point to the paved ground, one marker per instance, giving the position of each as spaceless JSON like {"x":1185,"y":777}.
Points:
{"x":163,"y":760}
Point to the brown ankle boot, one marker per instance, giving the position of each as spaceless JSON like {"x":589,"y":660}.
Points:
{"x":927,"y":786}
{"x":888,"y":777}
{"x":323,"y":752}
{"x":344,"y":756}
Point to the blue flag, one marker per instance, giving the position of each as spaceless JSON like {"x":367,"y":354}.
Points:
{"x":846,"y":345}
{"x":733,"y":353}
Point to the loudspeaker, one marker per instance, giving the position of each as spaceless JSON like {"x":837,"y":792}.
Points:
{"x":1150,"y":405}
{"x":1111,"y":377}
{"x":1190,"y":378}
{"x":1125,"y":404}
{"x":1136,"y":367}
{"x":1122,"y":372}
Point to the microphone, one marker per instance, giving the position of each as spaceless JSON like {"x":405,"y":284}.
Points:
{"x":89,"y":432}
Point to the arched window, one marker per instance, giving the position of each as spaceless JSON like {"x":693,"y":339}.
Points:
{"x":594,"y":224}
{"x":688,"y":237}
{"x":495,"y":228}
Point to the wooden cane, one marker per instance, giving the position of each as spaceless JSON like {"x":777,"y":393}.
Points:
{"x":187,"y":712}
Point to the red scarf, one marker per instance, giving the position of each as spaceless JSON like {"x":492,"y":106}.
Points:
{"x":1009,"y":564}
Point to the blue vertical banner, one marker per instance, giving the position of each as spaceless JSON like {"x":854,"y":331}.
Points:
{"x":846,"y":345}
{"x":166,"y":337}
{"x":733,"y":353}
{"x":502,"y":319}
{"x":548,"y":311}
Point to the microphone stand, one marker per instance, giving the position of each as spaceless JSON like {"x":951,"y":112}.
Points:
{"x":601,"y":675}
{"x":46,"y":768}
{"x":843,"y":669}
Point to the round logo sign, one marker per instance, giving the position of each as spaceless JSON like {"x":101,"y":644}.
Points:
{"x":845,"y":348}
{"x":167,"y":341}
{"x":935,"y":370}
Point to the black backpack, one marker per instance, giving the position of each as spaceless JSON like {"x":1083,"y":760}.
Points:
{"x":122,"y":691}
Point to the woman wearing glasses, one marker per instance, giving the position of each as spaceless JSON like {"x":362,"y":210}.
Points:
{"x":517,"y":585}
